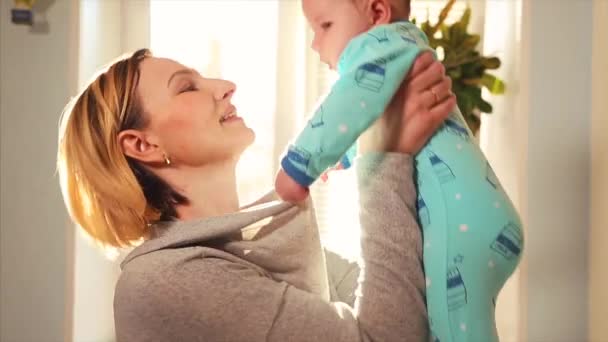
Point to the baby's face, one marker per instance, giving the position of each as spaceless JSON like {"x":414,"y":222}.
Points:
{"x":334,"y":23}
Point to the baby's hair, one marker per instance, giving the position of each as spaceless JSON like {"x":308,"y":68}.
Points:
{"x":400,"y":8}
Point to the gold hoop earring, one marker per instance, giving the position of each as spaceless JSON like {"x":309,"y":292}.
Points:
{"x":167,"y":160}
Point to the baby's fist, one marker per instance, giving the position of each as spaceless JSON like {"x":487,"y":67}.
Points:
{"x":288,"y":189}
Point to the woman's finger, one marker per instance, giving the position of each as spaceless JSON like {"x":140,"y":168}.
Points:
{"x":439,"y":92}
{"x":443,"y":89}
{"x":441,"y":110}
{"x":422,"y":62}
{"x":433,"y":74}
{"x":433,"y":95}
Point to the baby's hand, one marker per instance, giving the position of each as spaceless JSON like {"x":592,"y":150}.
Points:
{"x":288,"y":189}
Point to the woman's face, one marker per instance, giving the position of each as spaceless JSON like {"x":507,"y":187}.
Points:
{"x":190,"y":118}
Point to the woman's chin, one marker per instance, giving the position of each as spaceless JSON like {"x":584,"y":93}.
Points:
{"x":250,"y":136}
{"x":245,"y":141}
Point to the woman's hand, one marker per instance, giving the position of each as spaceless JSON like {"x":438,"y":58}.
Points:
{"x":415,"y":113}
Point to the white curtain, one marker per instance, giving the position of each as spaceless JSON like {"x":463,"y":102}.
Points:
{"x":502,"y":39}
{"x":108,"y":29}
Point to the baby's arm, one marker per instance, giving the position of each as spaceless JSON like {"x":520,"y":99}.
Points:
{"x":371,"y":68}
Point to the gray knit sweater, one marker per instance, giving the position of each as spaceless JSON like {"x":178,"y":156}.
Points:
{"x":260,"y":274}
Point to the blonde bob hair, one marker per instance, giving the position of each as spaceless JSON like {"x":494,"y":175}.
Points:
{"x":112,"y":197}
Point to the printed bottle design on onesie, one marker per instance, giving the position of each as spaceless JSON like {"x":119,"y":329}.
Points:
{"x":406,"y":35}
{"x":423,"y":212}
{"x":371,"y":76}
{"x":508,"y":243}
{"x":317,"y":120}
{"x":380,"y":35}
{"x":457,"y":291}
{"x":453,"y":127}
{"x":491,"y":176}
{"x":442,"y":170}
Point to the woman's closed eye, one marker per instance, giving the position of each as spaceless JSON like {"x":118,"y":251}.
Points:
{"x":188,"y":87}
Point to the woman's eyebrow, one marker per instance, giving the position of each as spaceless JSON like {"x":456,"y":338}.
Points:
{"x":180,"y":72}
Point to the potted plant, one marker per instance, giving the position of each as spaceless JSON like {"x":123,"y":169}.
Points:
{"x":464,"y":64}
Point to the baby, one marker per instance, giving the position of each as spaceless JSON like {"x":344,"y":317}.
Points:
{"x":472,"y":233}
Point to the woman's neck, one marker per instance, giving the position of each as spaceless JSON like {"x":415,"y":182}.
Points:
{"x":211,"y":190}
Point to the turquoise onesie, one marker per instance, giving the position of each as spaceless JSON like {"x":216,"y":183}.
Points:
{"x":472,"y":233}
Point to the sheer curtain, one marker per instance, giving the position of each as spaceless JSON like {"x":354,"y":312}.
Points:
{"x":497,"y":132}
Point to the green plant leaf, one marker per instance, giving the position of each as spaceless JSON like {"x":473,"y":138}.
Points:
{"x":464,"y":64}
{"x":471,"y":41}
{"x":471,"y":81}
{"x":457,"y":34}
{"x":473,"y":122}
{"x":493,"y":84}
{"x":466,"y":17}
{"x":490,"y":63}
{"x":472,"y":69}
{"x":445,"y":11}
{"x":426,"y":28}
{"x":445,"y":33}
{"x":484,"y":106}
{"x":454,"y":73}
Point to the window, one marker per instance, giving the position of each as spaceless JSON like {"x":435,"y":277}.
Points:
{"x":229,"y":40}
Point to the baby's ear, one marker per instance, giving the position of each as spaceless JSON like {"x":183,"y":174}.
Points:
{"x":381,"y":11}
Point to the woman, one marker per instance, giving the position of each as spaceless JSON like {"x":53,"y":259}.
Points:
{"x":148,"y":153}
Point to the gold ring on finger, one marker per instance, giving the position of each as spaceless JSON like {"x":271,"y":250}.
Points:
{"x":436,"y":96}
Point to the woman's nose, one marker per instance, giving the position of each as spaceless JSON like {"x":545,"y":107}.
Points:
{"x":223,"y":89}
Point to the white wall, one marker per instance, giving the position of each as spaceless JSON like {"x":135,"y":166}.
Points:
{"x":109,"y":28}
{"x":598,"y":272}
{"x":503,"y":141}
{"x":291,"y":76}
{"x":538,"y":141}
{"x":556,"y":80}
{"x":94,"y":274}
{"x":37,"y":79}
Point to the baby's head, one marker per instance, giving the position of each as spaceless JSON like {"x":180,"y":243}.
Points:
{"x":336,"y":22}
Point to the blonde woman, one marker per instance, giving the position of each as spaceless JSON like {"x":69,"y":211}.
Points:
{"x":147,"y":156}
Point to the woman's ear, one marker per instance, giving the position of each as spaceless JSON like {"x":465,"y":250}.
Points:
{"x":136,"y":145}
{"x":381,"y":11}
